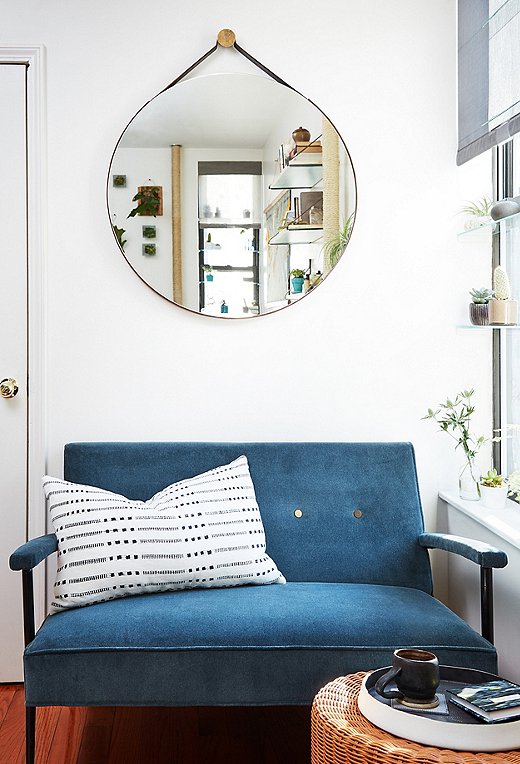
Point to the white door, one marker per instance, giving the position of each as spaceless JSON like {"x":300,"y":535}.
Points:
{"x":13,"y":359}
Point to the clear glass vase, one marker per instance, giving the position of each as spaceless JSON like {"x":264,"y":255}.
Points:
{"x":468,"y":482}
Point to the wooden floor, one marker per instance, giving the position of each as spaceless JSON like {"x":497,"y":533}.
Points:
{"x":155,"y":735}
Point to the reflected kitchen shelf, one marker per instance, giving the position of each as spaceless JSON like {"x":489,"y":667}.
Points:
{"x":298,"y":176}
{"x":297,"y":234}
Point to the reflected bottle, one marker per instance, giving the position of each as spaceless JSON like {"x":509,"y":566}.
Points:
{"x":223,"y":307}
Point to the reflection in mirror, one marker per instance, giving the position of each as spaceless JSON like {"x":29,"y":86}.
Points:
{"x":231,"y":195}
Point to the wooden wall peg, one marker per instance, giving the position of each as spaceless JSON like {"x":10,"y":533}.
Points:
{"x":226,"y":38}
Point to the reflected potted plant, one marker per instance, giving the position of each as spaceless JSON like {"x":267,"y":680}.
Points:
{"x":208,"y":271}
{"x":479,"y":307}
{"x":335,"y":245}
{"x":493,"y":490}
{"x":454,"y":417}
{"x":297,"y":279}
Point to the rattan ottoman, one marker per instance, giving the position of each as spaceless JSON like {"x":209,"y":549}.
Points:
{"x":342,"y":735}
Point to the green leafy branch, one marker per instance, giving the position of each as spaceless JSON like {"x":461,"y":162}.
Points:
{"x":454,"y":417}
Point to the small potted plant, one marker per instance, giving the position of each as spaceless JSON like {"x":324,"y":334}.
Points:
{"x":479,"y":307}
{"x":208,"y":271}
{"x":297,"y":279}
{"x":503,"y":310}
{"x":493,"y":490}
{"x":479,"y":213}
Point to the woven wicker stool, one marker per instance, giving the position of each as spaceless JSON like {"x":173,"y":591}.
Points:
{"x":342,"y":735}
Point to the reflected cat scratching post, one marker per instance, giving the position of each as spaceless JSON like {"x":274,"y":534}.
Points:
{"x":330,"y":144}
{"x":176,"y":225}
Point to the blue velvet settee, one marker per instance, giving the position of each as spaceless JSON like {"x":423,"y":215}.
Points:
{"x":343,"y":522}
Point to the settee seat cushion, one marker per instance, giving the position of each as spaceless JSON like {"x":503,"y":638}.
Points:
{"x":241,"y":646}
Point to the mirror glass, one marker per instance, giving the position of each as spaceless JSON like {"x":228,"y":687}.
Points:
{"x":231,"y":195}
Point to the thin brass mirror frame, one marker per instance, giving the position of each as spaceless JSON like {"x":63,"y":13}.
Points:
{"x":226,"y":38}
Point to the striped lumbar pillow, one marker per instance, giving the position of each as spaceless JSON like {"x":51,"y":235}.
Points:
{"x":201,"y":532}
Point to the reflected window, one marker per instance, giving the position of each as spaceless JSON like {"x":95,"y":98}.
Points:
{"x":229,"y":225}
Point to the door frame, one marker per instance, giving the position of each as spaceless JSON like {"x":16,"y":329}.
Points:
{"x":33,"y":57}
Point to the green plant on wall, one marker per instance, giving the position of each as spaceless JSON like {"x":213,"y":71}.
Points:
{"x":119,"y":232}
{"x":149,"y":202}
{"x":335,"y":245}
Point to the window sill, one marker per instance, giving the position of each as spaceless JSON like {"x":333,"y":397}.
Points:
{"x":504,"y":523}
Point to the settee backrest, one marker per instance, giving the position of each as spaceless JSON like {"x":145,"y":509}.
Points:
{"x":360,"y":511}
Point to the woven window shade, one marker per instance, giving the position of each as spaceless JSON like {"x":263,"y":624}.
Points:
{"x":488,"y":74}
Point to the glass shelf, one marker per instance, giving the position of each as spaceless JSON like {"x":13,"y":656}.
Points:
{"x":489,"y":326}
{"x":297,"y":234}
{"x":504,"y":225}
{"x":298,"y":176}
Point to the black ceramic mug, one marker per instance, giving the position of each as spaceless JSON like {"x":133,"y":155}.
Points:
{"x":416,"y":674}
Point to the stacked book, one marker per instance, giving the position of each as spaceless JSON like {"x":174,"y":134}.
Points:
{"x":306,"y":152}
{"x":494,"y":701}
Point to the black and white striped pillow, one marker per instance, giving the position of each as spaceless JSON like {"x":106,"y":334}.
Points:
{"x":202,"y":532}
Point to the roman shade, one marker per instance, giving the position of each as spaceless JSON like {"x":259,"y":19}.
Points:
{"x":488,"y":74}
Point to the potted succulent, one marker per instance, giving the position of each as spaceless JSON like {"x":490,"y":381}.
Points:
{"x":297,"y":279}
{"x":493,"y":490}
{"x":503,"y":309}
{"x":479,"y":213}
{"x":479,"y":307}
{"x":208,"y":271}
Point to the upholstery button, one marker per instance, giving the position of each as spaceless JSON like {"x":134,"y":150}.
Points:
{"x":357,"y":514}
{"x":298,"y":513}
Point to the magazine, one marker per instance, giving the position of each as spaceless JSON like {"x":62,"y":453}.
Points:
{"x":494,"y":701}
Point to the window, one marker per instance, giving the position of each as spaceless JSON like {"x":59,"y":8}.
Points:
{"x":507,"y":371}
{"x":229,"y":242}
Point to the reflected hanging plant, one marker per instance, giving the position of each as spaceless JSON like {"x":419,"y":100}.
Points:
{"x":149,"y":202}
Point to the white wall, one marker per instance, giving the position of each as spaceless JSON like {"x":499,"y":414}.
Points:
{"x":145,"y":167}
{"x":363,"y":356}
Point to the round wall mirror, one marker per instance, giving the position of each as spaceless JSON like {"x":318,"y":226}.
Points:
{"x":231,"y":195}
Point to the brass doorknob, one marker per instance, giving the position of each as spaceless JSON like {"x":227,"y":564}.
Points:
{"x":8,"y":388}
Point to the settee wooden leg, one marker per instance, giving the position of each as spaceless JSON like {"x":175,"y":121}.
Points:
{"x":30,"y":733}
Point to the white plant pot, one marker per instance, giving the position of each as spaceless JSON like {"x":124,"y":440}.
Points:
{"x":493,"y":498}
{"x":504,"y":312}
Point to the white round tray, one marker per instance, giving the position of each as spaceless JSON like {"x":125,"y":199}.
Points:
{"x":458,"y":730}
